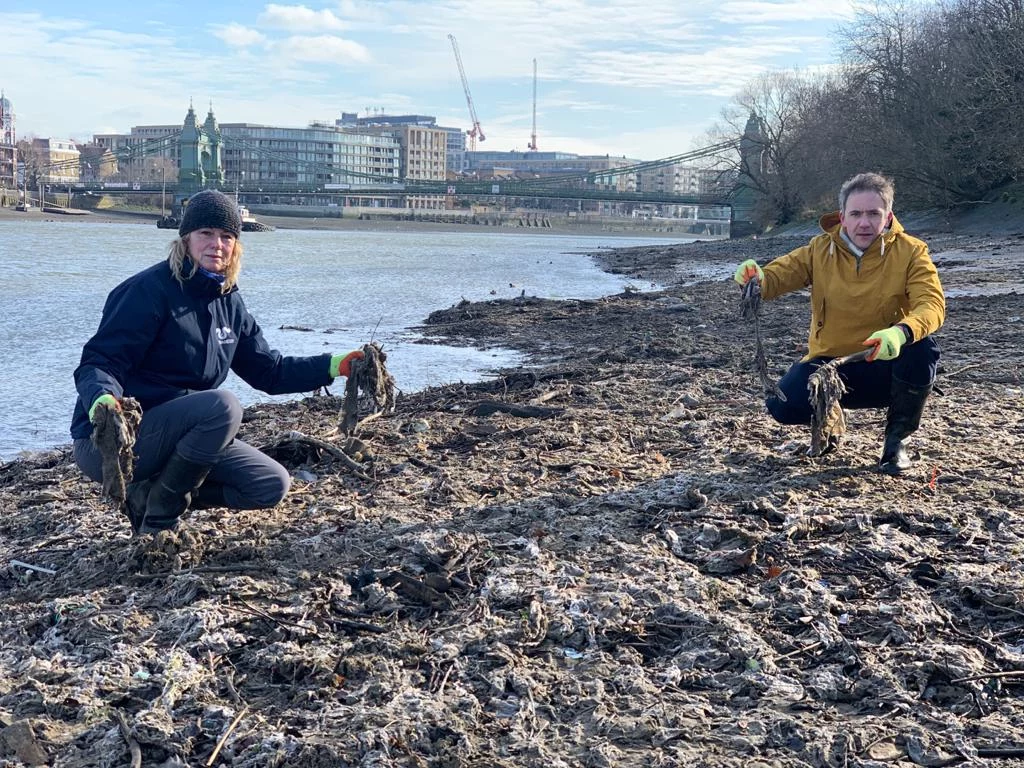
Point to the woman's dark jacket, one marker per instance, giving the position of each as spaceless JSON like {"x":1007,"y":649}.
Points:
{"x":160,"y":339}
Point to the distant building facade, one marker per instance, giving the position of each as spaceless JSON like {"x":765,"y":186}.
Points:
{"x":252,"y":156}
{"x":8,"y":147}
{"x":316,"y":157}
{"x":423,"y":146}
{"x":58,"y":160}
{"x":96,"y":163}
{"x":488,"y":164}
{"x":676,"y":179}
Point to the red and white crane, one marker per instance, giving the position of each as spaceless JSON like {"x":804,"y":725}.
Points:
{"x":476,"y":131}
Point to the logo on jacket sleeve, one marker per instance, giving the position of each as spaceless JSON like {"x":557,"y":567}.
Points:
{"x":225,"y":335}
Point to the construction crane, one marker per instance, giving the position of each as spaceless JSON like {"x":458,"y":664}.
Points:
{"x":476,"y":131}
{"x":533,"y":134}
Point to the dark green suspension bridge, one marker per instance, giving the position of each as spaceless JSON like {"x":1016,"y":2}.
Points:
{"x":597,"y":185}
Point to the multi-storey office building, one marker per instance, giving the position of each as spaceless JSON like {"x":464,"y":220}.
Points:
{"x":260,"y":156}
{"x":313,"y":157}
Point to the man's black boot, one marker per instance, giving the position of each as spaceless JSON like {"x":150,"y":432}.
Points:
{"x":905,"y":409}
{"x":171,"y":493}
{"x":209,"y":495}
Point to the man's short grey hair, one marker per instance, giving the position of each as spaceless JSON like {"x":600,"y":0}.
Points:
{"x":868,"y":182}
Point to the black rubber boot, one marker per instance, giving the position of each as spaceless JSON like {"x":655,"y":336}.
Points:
{"x":136,"y":495}
{"x":209,"y":495}
{"x":905,"y":409}
{"x":171,"y":493}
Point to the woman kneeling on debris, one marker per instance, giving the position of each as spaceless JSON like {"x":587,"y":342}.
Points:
{"x":872,"y":285}
{"x":168,"y":337}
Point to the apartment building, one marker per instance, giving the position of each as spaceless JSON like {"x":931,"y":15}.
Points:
{"x":424,"y":148}
{"x":676,"y":179}
{"x":57,"y":159}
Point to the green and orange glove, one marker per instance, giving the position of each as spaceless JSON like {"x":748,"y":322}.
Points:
{"x":107,"y":401}
{"x":341,"y":365}
{"x":747,"y":270}
{"x":886,"y":343}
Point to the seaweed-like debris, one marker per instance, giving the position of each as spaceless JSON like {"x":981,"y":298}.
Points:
{"x":113,"y":433}
{"x":750,"y":309}
{"x":825,"y":390}
{"x":370,"y":376}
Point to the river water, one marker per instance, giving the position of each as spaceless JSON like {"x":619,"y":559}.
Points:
{"x":347,"y":287}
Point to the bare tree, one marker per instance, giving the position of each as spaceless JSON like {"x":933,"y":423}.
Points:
{"x":932,"y":95}
{"x":776,"y":100}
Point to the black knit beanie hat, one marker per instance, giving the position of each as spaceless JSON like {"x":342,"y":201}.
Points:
{"x":210,"y":208}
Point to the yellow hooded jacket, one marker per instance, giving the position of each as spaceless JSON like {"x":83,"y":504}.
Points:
{"x":896,"y":282}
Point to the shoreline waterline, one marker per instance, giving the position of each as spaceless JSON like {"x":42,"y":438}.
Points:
{"x":340,"y":294}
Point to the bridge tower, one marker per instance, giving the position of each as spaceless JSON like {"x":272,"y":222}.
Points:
{"x":213,"y":160}
{"x":200,"y":150}
{"x":746,"y":194}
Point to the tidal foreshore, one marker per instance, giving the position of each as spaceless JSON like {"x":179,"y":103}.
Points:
{"x":608,"y":556}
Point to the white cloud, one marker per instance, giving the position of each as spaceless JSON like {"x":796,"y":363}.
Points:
{"x":610,"y":71}
{"x":323,"y":48}
{"x":238,"y":36}
{"x":759,"y":11}
{"x":299,"y":17}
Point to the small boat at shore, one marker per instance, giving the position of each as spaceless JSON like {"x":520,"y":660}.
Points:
{"x":250,"y":223}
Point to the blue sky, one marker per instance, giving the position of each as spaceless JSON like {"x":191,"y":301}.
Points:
{"x":641,"y":78}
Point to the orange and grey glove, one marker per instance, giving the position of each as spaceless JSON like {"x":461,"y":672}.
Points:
{"x":341,"y":365}
{"x":107,"y":401}
{"x":886,"y":343}
{"x":747,"y":270}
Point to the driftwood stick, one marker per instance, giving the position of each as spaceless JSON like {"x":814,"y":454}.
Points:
{"x":253,"y":610}
{"x":488,"y":407}
{"x":29,"y":566}
{"x":1000,"y":751}
{"x":340,"y":455}
{"x":989,"y":675}
{"x":958,"y":371}
{"x":126,"y":732}
{"x":223,"y":739}
{"x":798,"y":651}
{"x":229,"y":680}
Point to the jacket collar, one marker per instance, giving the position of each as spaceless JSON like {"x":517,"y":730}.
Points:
{"x":199,"y":284}
{"x":832,"y":226}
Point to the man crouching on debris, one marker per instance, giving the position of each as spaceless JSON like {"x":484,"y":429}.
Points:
{"x":871,"y":285}
{"x":167,"y":338}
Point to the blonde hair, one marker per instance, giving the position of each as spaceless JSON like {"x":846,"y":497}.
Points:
{"x":868,"y":182}
{"x":178,"y":255}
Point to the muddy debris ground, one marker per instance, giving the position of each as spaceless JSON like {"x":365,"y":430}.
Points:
{"x":610,"y":557}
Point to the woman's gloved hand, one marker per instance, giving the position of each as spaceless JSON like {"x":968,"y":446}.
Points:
{"x":887,"y":343}
{"x":107,"y":401}
{"x":341,"y":365}
{"x":747,"y":270}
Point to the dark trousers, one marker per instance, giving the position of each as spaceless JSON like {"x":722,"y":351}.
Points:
{"x":202,"y":428}
{"x":868,"y":385}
